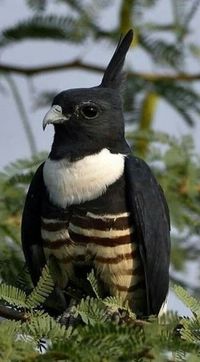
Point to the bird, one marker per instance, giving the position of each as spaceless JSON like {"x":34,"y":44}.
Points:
{"x":93,"y":205}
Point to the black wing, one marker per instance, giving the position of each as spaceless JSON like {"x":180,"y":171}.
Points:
{"x":31,"y":226}
{"x":32,"y":241}
{"x":150,"y":214}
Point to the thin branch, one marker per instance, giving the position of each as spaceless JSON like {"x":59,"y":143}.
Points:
{"x":23,"y":114}
{"x":30,"y":71}
{"x":172,"y":27}
{"x":9,"y":313}
{"x":188,"y":19}
{"x":192,"y":12}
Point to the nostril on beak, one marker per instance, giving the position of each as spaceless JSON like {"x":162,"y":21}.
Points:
{"x":57,"y":108}
{"x":55,"y":116}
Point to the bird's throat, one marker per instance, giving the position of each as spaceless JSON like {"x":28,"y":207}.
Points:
{"x":70,"y":183}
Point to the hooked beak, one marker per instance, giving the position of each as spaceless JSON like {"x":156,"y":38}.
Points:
{"x":54,"y":116}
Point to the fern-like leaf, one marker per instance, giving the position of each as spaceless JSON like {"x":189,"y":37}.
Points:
{"x":187,"y":299}
{"x":94,"y":283}
{"x":44,"y":27}
{"x":91,"y":311}
{"x":116,"y":303}
{"x":38,"y":5}
{"x":42,"y":290}
{"x":12,"y":295}
{"x":41,"y":325}
{"x":184,"y":99}
{"x":191,"y":330}
{"x":163,"y":52}
{"x":22,"y":168}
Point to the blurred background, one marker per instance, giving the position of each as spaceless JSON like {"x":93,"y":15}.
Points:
{"x":50,"y":45}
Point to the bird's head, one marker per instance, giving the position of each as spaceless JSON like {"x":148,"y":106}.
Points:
{"x":86,"y":120}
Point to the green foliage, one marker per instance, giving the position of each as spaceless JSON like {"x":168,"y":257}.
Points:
{"x":40,"y":325}
{"x":115,"y":303}
{"x":162,"y":51}
{"x":12,"y":295}
{"x":190,"y":327}
{"x":90,"y":308}
{"x":95,"y":325}
{"x":42,"y":290}
{"x":183,"y":98}
{"x":192,"y":303}
{"x":50,"y":26}
{"x":13,"y":348}
{"x":97,"y":336}
{"x":14,"y":181}
{"x":94,"y":284}
{"x":91,"y":311}
{"x":38,"y":5}
{"x":17,"y":297}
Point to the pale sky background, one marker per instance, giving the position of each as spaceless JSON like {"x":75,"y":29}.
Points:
{"x":13,"y":143}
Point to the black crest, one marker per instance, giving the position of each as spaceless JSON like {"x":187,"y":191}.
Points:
{"x":113,"y":74}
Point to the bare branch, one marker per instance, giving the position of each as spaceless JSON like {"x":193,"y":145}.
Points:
{"x":29,"y":71}
{"x":10,"y":313}
{"x":36,"y":70}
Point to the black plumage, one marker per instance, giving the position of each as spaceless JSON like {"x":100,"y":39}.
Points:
{"x":94,"y":205}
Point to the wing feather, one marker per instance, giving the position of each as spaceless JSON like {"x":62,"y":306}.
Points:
{"x":32,"y":241}
{"x":150,"y":214}
{"x":31,"y":226}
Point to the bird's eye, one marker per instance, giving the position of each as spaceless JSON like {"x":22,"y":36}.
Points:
{"x":89,"y":111}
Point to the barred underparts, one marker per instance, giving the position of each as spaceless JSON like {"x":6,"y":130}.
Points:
{"x":106,"y":242}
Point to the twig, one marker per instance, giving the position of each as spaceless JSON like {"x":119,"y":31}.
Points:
{"x":192,"y":12}
{"x":9,"y":313}
{"x":23,"y":114}
{"x":36,"y":70}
